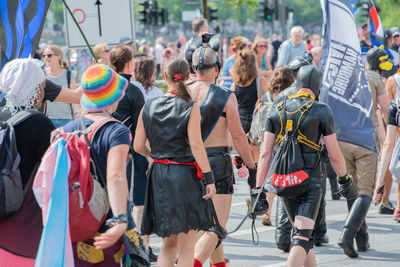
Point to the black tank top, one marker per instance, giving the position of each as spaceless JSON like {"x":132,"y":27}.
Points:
{"x":246,"y":97}
{"x":165,"y":121}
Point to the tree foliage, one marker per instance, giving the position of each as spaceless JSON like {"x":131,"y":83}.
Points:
{"x":390,"y":12}
{"x":57,"y":7}
{"x":306,"y":11}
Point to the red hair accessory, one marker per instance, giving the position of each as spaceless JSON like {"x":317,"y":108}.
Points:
{"x":177,"y":77}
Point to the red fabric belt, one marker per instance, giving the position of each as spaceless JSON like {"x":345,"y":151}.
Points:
{"x":167,"y":161}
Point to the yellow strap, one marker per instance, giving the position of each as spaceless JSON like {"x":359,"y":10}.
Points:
{"x":119,"y":254}
{"x":89,"y":253}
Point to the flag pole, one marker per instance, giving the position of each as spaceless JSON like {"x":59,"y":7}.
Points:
{"x":80,"y":29}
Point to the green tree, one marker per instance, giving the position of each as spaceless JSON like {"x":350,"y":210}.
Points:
{"x":57,"y":8}
{"x":390,"y":12}
{"x":305,"y":11}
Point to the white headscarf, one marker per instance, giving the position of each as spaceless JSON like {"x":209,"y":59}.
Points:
{"x":20,"y":81}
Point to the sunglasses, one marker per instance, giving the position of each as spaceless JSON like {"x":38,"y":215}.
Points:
{"x":48,"y":55}
{"x":262,"y":46}
{"x":106,"y":50}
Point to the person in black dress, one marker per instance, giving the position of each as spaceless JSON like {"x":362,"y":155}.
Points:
{"x":177,"y":203}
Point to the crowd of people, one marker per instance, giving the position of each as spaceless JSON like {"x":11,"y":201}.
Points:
{"x":180,"y":177}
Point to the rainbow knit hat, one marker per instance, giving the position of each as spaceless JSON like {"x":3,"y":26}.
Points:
{"x":102,"y":87}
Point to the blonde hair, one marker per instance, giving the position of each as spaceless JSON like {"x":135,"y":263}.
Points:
{"x":58,"y":52}
{"x":97,"y":49}
{"x":256,"y":42}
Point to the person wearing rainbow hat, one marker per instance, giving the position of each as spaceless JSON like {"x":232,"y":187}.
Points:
{"x":103,"y":88}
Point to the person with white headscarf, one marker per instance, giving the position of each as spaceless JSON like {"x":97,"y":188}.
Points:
{"x":22,"y":82}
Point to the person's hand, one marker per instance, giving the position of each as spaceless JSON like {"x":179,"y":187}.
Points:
{"x":210,"y":191}
{"x":378,"y":193}
{"x":111,"y":236}
{"x":243,"y":172}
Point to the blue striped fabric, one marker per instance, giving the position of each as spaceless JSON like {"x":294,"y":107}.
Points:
{"x":21,"y":25}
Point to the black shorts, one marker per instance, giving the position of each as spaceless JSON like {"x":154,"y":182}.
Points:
{"x":221,"y":165}
{"x":306,"y":204}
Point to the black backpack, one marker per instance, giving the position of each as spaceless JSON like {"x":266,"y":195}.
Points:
{"x":12,"y":192}
{"x":288,"y":175}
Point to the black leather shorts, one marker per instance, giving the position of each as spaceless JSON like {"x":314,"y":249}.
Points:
{"x":306,"y":204}
{"x":221,"y":165}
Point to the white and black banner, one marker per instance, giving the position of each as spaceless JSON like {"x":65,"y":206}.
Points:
{"x":344,"y":83}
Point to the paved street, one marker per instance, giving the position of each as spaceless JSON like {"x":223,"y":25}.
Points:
{"x":384,"y":238}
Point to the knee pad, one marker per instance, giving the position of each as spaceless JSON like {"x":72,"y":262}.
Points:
{"x":308,"y":233}
{"x":220,"y":232}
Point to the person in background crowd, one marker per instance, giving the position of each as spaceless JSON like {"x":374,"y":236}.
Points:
{"x":245,"y":75}
{"x":395,"y":55}
{"x":127,"y":41}
{"x":276,"y":43}
{"x":102,"y":53}
{"x":390,"y":141}
{"x":282,"y":77}
{"x":177,"y":203}
{"x":316,"y":52}
{"x":316,"y":40}
{"x":58,"y":73}
{"x":158,"y":55}
{"x":392,"y":87}
{"x":237,"y":44}
{"x":362,"y":165}
{"x":180,"y":44}
{"x":396,"y":40}
{"x":308,"y":39}
{"x":365,"y":41}
{"x":379,"y":96}
{"x":260,"y":48}
{"x":292,"y":47}
{"x":199,"y":25}
{"x":110,"y":146}
{"x":22,"y":81}
{"x":145,"y":74}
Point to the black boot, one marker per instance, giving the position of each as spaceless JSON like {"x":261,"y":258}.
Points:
{"x":362,"y":238}
{"x":320,"y":237}
{"x":283,"y":228}
{"x":353,"y":223}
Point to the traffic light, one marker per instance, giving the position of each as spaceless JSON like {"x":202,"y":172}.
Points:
{"x":164,"y":16}
{"x":145,"y":12}
{"x":265,"y":12}
{"x":268,"y":14}
{"x":212,"y":13}
{"x":154,"y":12}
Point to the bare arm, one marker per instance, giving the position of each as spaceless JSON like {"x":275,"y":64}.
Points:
{"x":265,"y":157}
{"x":239,"y":138}
{"x":117,"y":188}
{"x":264,"y":84}
{"x":335,"y":155}
{"x":197,"y":146}
{"x":384,"y":102}
{"x":69,"y":96}
{"x":391,"y":87}
{"x":139,"y":144}
{"x":76,"y":108}
{"x":390,"y":140}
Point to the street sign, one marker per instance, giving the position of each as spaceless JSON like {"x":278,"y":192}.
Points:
{"x":191,"y":15}
{"x":102,"y":21}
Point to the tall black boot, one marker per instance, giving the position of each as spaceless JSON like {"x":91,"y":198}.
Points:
{"x":362,"y":238}
{"x":320,"y":237}
{"x":353,"y":223}
{"x":283,"y":228}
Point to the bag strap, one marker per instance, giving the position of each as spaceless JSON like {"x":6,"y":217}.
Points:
{"x":69,"y":78}
{"x":21,"y":116}
{"x":258,"y":84}
{"x":89,"y":134}
{"x":304,"y":112}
